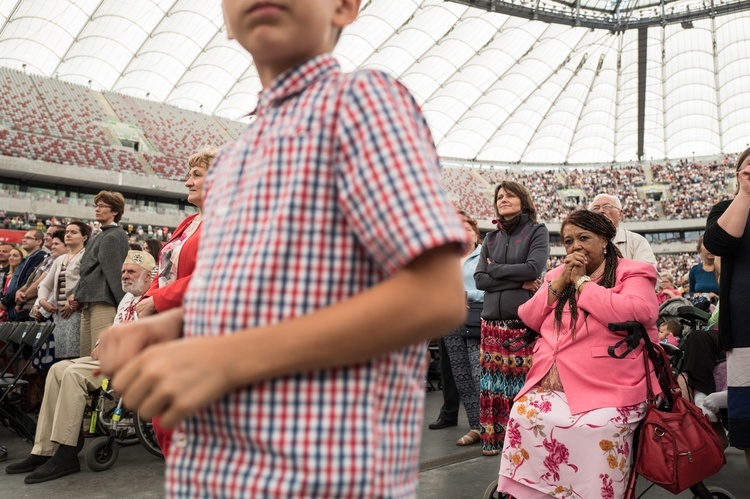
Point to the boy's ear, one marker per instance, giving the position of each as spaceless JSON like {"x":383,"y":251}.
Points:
{"x":230,"y":34}
{"x":346,"y":12}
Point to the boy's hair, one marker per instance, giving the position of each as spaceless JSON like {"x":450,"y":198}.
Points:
{"x":673,"y":327}
{"x":113,"y":199}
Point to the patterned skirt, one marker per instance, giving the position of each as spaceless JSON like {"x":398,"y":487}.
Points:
{"x":503,"y":374}
{"x":550,"y":452}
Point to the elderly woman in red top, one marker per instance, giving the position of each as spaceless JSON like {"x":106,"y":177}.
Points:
{"x":177,"y":258}
{"x":571,"y":428}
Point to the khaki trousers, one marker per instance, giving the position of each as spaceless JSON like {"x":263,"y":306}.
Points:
{"x":94,"y":319}
{"x":65,"y":395}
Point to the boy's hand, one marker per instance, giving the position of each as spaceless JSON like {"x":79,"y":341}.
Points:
{"x":175,"y":379}
{"x":120,"y":344}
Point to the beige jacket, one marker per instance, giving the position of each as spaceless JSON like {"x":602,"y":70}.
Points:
{"x":48,"y":287}
{"x":634,"y":246}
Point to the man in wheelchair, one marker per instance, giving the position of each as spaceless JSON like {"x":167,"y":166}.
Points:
{"x":58,"y":438}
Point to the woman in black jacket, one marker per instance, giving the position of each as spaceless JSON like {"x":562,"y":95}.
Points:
{"x":510,"y":265}
{"x":728,"y":236}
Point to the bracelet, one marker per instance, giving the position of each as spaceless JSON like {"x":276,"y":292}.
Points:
{"x":552,"y":290}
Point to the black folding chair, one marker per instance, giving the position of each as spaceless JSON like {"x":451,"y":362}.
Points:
{"x":29,"y":336}
{"x":6,"y":331}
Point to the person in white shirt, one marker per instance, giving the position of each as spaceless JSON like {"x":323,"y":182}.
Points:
{"x":632,"y":246}
{"x":58,"y":438}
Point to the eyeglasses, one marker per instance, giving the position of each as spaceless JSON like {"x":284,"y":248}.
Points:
{"x":32,"y":238}
{"x":605,"y":207}
{"x":101,"y":206}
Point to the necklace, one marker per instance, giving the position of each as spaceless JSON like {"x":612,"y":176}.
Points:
{"x":598,"y":272}
{"x":72,"y":255}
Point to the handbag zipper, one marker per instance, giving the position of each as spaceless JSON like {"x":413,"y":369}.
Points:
{"x":689,"y":454}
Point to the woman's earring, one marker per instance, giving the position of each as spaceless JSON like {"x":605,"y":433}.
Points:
{"x":605,"y":251}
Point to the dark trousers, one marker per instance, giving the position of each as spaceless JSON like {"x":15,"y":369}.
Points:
{"x":701,"y":350}
{"x":451,"y":400}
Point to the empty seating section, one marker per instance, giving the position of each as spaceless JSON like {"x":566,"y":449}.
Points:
{"x":67,"y":152}
{"x":74,"y":109}
{"x":173,"y":131}
{"x":166,"y":167}
{"x":468,"y":191}
{"x":49,"y":107}
{"x":235,"y":128}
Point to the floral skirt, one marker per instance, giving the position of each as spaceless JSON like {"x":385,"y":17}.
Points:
{"x":502,"y":375}
{"x":550,"y":452}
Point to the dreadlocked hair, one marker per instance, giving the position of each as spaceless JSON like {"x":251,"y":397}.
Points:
{"x":601,"y":226}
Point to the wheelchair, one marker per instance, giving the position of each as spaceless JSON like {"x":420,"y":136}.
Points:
{"x":630,"y":342}
{"x":117,"y":427}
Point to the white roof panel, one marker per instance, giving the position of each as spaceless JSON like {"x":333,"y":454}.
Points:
{"x":492,"y":87}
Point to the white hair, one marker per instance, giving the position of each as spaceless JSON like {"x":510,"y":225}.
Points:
{"x":616,"y":199}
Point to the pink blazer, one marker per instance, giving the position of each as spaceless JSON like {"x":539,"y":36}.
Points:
{"x":591,"y":378}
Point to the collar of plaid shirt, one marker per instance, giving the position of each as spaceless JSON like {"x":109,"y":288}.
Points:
{"x":296,"y":80}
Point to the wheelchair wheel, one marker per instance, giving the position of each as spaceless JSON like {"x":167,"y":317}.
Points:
{"x":144,"y":430}
{"x":718,"y":493}
{"x":492,"y":493}
{"x":102,"y":454}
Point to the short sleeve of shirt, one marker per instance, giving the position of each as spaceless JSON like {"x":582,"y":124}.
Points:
{"x":389,"y":173}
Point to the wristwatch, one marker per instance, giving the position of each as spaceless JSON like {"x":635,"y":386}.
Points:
{"x":581,"y":280}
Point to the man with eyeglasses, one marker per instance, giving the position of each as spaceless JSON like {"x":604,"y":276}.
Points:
{"x":99,"y":289}
{"x":33,"y":243}
{"x":632,"y":246}
{"x":27,"y":293}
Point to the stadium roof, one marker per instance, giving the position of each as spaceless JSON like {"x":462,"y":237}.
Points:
{"x":494,"y":87}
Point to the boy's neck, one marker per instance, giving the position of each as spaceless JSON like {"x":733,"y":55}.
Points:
{"x":270,"y":70}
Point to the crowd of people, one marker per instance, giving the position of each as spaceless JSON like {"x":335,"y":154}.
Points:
{"x":293,"y":362}
{"x":86,"y":282}
{"x":694,"y":187}
{"x":561,"y":386}
{"x":686,"y":190}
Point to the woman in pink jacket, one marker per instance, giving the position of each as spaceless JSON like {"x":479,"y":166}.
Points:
{"x":571,"y":427}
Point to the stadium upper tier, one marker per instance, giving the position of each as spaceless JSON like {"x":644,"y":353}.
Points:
{"x":63,"y":123}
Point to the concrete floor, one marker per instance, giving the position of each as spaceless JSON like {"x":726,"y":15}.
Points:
{"x":137,"y":474}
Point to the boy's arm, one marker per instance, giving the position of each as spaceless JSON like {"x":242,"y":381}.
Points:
{"x":177,"y":378}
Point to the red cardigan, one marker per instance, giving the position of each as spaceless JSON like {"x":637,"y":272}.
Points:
{"x":170,"y":296}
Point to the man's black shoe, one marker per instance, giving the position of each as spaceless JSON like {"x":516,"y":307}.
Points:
{"x":441,"y":423}
{"x":27,"y":465}
{"x":53,"y":469}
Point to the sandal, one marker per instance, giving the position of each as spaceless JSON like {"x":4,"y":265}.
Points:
{"x":469,"y":439}
{"x":490,"y":452}
{"x":3,"y":453}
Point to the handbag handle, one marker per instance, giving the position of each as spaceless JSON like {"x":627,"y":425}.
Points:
{"x":659,"y":361}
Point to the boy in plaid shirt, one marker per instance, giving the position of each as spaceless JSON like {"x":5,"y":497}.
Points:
{"x":329,"y":254}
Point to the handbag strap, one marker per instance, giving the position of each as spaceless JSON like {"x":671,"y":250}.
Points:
{"x":650,"y":397}
{"x":660,"y":362}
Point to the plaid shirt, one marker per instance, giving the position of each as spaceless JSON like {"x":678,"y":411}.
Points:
{"x":334,"y":188}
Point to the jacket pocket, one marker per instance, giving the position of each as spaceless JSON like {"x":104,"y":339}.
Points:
{"x":603,"y":351}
